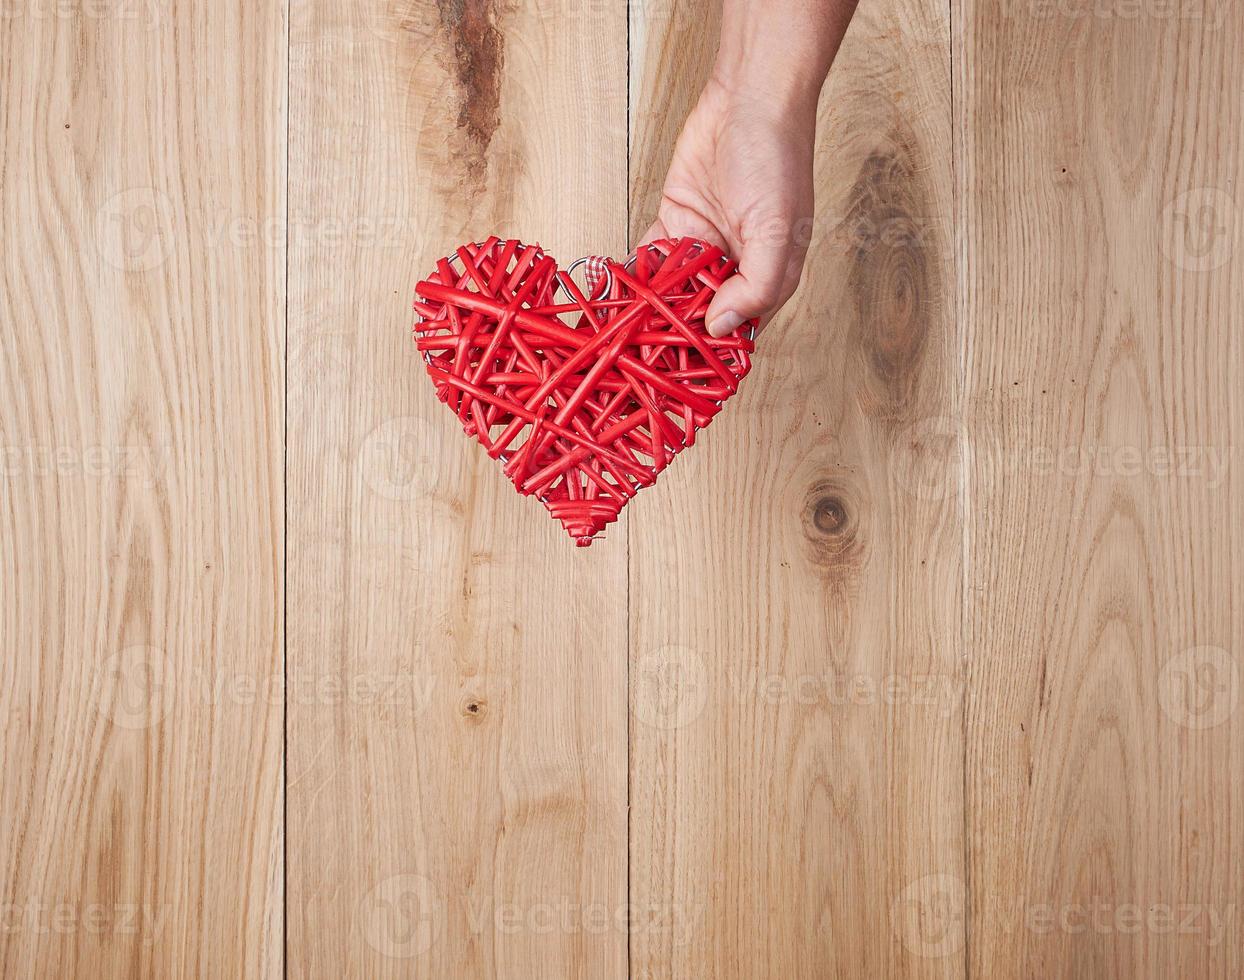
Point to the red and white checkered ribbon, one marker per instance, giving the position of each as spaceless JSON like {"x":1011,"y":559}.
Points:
{"x":595,"y":272}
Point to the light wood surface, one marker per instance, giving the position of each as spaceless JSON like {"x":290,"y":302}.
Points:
{"x":469,"y":819}
{"x":924,"y":663}
{"x":142,"y":293}
{"x":1100,"y":165}
{"x":796,"y":730}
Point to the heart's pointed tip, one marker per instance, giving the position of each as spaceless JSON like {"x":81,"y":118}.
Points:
{"x":584,"y":520}
{"x":584,"y":533}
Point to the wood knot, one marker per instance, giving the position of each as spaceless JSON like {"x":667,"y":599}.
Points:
{"x":474,"y":708}
{"x":831,"y":530}
{"x":829,"y":515}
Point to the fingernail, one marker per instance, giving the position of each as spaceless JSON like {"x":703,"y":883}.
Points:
{"x":725,"y":323}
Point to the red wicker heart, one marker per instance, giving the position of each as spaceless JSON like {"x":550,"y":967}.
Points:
{"x":584,"y":400}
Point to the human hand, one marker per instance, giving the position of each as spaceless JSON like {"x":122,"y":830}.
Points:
{"x":741,"y":178}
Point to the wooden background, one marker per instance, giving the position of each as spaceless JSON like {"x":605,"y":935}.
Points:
{"x":926,"y":662}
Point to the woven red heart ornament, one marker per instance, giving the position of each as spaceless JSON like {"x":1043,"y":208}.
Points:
{"x":584,"y":397}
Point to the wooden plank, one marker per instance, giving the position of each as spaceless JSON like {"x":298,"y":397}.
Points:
{"x":141,"y":405}
{"x":1099,"y":184}
{"x":458,"y":807}
{"x":795,"y":581}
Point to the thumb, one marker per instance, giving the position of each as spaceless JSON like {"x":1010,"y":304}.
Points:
{"x":758,"y":287}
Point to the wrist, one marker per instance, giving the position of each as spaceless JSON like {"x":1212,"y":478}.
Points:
{"x":749,"y":77}
{"x":782,"y":96}
{"x":778,"y":52}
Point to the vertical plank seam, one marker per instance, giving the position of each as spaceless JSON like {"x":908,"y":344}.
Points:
{"x":285,"y":531}
{"x":629,"y":659}
{"x":961,"y":321}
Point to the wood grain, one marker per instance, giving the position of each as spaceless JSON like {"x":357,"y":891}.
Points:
{"x":1099,"y":180}
{"x":796,"y":760}
{"x":141,"y":160}
{"x":465,"y":815}
{"x":926,"y":662}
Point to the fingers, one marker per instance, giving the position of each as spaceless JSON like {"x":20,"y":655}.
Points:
{"x":768,"y":271}
{"x":767,"y":277}
{"x":677,"y":221}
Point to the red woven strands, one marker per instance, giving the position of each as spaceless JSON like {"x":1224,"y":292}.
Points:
{"x":585,"y":398}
